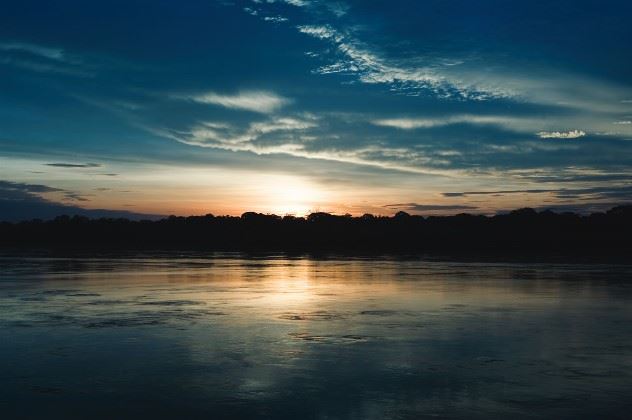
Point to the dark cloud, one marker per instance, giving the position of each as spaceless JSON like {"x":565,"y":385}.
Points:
{"x":73,"y":196}
{"x":20,"y":201}
{"x":563,"y":177}
{"x":429,"y":207}
{"x":623,"y":193}
{"x":15,"y":189}
{"x":496,"y":193}
{"x":75,"y":165}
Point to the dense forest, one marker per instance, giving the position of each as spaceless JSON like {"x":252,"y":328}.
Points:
{"x":524,"y":230}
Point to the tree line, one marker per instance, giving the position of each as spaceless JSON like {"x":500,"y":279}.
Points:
{"x":520,"y":230}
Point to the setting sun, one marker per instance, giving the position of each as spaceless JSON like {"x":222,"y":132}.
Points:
{"x":291,"y":195}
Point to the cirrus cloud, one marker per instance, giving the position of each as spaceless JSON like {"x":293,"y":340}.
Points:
{"x":572,"y":134}
{"x":256,"y":100}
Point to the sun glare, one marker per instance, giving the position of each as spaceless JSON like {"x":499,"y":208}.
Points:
{"x":291,"y":195}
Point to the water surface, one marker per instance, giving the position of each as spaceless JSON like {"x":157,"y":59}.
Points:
{"x":297,"y":338}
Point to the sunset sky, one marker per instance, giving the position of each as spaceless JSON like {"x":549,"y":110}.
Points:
{"x":294,"y":106}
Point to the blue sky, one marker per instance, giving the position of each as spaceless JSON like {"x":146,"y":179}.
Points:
{"x":291,"y":106}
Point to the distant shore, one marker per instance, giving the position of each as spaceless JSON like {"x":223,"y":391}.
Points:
{"x":523,"y":231}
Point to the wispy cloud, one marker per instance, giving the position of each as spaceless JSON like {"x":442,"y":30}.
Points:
{"x":456,"y":77}
{"x":571,"y":175}
{"x":43,"y":59}
{"x":297,"y":3}
{"x":74,"y":165}
{"x":356,"y":58}
{"x":20,"y":201}
{"x":497,"y":192}
{"x":415,"y":207}
{"x":227,"y":136}
{"x":42,"y":51}
{"x":572,"y":134}
{"x":275,"y":19}
{"x":295,"y":136}
{"x":620,"y":192}
{"x":17,"y":191}
{"x":542,"y":124}
{"x":416,"y":123}
{"x":413,"y":74}
{"x":255,"y":101}
{"x":8,"y":186}
{"x":339,"y":9}
{"x":48,"y":67}
{"x":73,"y":196}
{"x":405,"y":123}
{"x":251,"y":11}
{"x":282,"y":124}
{"x":523,"y":124}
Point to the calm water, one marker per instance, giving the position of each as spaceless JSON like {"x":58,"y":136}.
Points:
{"x":313,"y":339}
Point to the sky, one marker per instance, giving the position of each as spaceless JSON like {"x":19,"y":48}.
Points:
{"x":295,"y":106}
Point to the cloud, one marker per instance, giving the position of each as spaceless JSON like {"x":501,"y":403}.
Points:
{"x":251,"y":11}
{"x":295,"y":136}
{"x":415,"y":207}
{"x":8,"y":188}
{"x":75,"y":165}
{"x":259,"y":137}
{"x":499,"y":192}
{"x":56,"y":54}
{"x":523,"y":124}
{"x":16,"y":190}
{"x":46,"y":67}
{"x":408,"y":123}
{"x":356,"y":58}
{"x":571,"y":175}
{"x":572,"y":134}
{"x":21,"y":201}
{"x":416,"y":123}
{"x":275,"y":19}
{"x":282,"y":124}
{"x":568,"y":99}
{"x":339,"y":9}
{"x":464,"y":78}
{"x":622,"y":192}
{"x":297,"y":3}
{"x":73,"y":196}
{"x":321,"y":32}
{"x":255,"y":101}
{"x":43,"y":59}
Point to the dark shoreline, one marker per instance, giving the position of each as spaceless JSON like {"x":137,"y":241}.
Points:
{"x":522,"y":235}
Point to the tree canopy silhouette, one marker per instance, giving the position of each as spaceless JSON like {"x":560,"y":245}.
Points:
{"x":519,"y":230}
